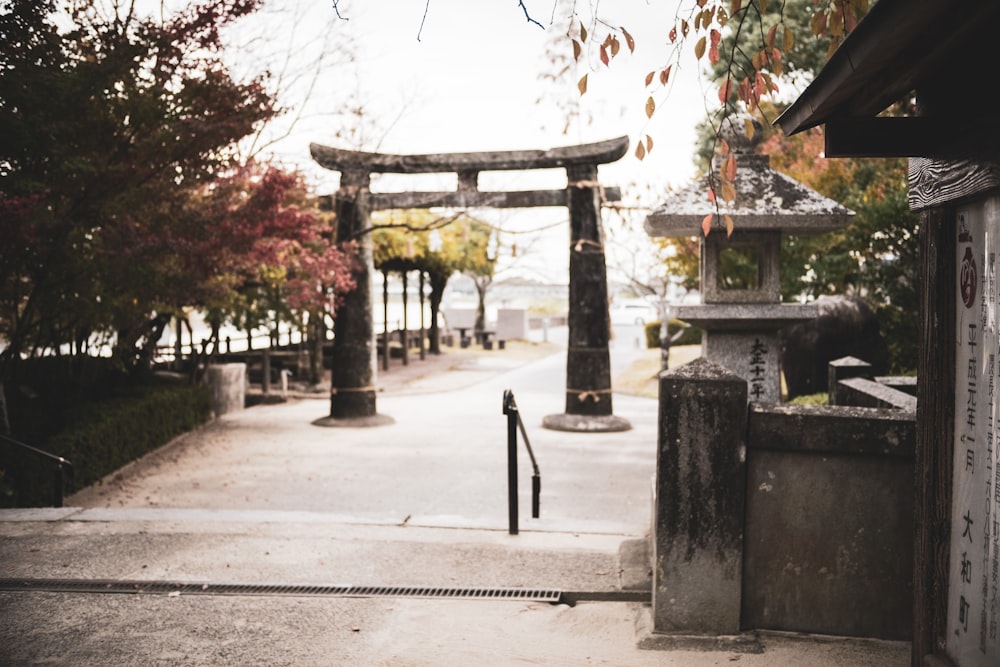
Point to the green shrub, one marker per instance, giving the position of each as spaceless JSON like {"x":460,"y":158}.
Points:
{"x":691,"y":335}
{"x":101,"y":436}
{"x":821,"y":398}
{"x":106,"y":436}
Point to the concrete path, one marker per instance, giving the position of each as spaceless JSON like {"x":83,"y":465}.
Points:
{"x":250,"y":539}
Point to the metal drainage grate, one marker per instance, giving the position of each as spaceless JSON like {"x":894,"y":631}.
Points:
{"x":203,"y":588}
{"x":199,"y":588}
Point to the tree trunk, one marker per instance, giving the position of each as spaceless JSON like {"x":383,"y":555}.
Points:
{"x":439,"y":282}
{"x":482,"y":283}
{"x":316,"y":338}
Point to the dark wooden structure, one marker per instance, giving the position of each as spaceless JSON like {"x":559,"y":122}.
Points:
{"x":352,"y":399}
{"x":934,"y":50}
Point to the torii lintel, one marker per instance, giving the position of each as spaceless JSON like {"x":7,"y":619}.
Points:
{"x":601,"y":152}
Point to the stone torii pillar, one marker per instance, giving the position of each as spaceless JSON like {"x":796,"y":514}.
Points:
{"x":588,"y":358}
{"x":352,"y":390}
{"x":588,"y":388}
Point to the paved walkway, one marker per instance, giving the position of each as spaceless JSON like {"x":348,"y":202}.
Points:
{"x":279,"y":530}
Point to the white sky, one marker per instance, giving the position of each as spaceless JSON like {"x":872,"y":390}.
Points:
{"x":471,"y":83}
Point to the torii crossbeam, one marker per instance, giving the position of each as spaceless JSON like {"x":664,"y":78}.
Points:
{"x":588,"y":375}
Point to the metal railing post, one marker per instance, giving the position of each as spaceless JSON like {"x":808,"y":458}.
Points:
{"x":58,"y":462}
{"x":515,"y":423}
{"x":510,"y":409}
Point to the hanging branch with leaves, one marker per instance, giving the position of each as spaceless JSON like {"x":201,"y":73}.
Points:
{"x":743,"y":78}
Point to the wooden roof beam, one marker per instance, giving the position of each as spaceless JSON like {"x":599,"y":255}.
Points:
{"x":921,"y":136}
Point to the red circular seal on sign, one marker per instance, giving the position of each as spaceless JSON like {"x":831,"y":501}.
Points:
{"x":968,"y":278}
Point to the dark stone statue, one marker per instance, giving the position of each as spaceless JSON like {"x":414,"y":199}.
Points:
{"x":845,"y":327}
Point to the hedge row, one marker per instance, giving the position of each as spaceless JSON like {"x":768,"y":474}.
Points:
{"x":691,"y":335}
{"x":107,"y":435}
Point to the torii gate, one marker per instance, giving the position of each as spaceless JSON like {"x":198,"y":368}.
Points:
{"x":588,"y":368}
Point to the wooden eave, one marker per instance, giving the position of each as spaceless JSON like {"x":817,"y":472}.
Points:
{"x":936,"y":49}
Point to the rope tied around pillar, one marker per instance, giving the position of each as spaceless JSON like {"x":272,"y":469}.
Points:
{"x":349,"y":390}
{"x":581,"y":244}
{"x":589,"y":184}
{"x":350,"y":192}
{"x":584,"y":394}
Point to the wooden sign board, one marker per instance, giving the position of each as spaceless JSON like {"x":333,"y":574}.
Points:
{"x":973,"y":613}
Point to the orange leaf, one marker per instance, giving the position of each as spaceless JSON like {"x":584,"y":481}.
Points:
{"x":582,"y":85}
{"x":735,"y":6}
{"x":672,"y":35}
{"x":723,"y":146}
{"x":817,"y":24}
{"x":731,"y":168}
{"x":640,"y":151}
{"x":711,"y":196}
{"x":665,"y":75}
{"x":699,"y":48}
{"x":706,"y":224}
{"x":728,"y":191}
{"x":650,"y":107}
{"x":836,"y":28}
{"x":748,"y":128}
{"x":604,"y":54}
{"x":771,"y":85}
{"x":729,"y":224}
{"x":771,"y":36}
{"x":724,"y":91}
{"x":649,"y":144}
{"x":649,"y":77}
{"x":713,"y":51}
{"x":629,"y":41}
{"x":577,"y":50}
{"x":615,"y":46}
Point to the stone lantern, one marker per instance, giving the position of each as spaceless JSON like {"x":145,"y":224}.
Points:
{"x":741,"y":312}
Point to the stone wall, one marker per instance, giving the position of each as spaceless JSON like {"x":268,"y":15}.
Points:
{"x":829,"y":521}
{"x":779,"y":517}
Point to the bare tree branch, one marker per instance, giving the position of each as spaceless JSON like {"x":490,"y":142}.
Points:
{"x":520,"y":3}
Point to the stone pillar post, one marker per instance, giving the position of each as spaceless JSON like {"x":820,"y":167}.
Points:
{"x":423,"y":330}
{"x":844,"y":368}
{"x":699,"y":498}
{"x":353,"y":363}
{"x":385,"y":320}
{"x":404,"y":335}
{"x":588,"y":361}
{"x":753,"y":355}
{"x":228,"y":385}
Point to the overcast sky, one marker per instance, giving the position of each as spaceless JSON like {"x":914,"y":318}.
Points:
{"x":456,"y":76}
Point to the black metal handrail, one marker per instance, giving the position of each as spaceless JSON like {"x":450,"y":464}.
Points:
{"x":60,"y":464}
{"x":515,"y":423}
